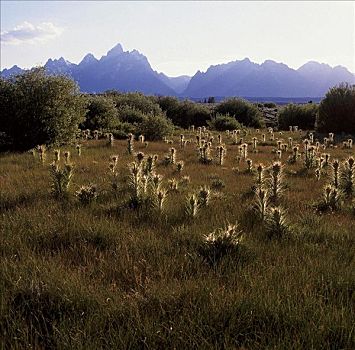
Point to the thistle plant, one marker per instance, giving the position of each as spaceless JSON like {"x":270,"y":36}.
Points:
{"x":180,"y":166}
{"x":290,"y":142}
{"x":160,"y":199}
{"x":244,"y":150}
{"x":260,"y":176}
{"x":61,"y":179}
{"x":87,"y":194}
{"x":311,"y":137}
{"x":309,"y":157}
{"x":130,"y":143}
{"x":335,"y":173}
{"x":111,"y":140}
{"x":205,"y":153}
{"x":276,"y":181}
{"x":191,"y":206}
{"x":156,"y":181}
{"x":261,"y":202}
{"x":182,"y":141}
{"x":331,"y":199}
{"x":347,"y":177}
{"x":67,"y":156}
{"x":137,"y":185}
{"x":279,"y":154}
{"x":326,"y":159}
{"x":295,"y":155}
{"x":276,"y":223}
{"x":255,"y":142}
{"x":149,"y":164}
{"x":221,"y":242}
{"x":331,"y":137}
{"x":42,"y":153}
{"x":221,"y":153}
{"x":172,"y":155}
{"x":249,"y":165}
{"x":113,"y":173}
{"x":140,"y":157}
{"x":57,"y":155}
{"x":173,"y":185}
{"x":78,"y":149}
{"x":204,"y":196}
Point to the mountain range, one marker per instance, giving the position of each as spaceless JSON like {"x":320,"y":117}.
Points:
{"x":130,"y":71}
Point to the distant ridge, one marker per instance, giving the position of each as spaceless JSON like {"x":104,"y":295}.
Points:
{"x":130,"y":71}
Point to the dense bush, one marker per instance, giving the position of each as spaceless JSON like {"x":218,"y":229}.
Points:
{"x":138,"y":101}
{"x":155,"y":127}
{"x":337,"y":110}
{"x":128,"y":114}
{"x":189,"y":113}
{"x":101,"y":114}
{"x":224,"y":122}
{"x":39,"y":109}
{"x":269,"y":105}
{"x":304,"y":116}
{"x":243,"y":111}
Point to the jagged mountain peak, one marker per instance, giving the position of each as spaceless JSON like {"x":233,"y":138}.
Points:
{"x":115,"y":51}
{"x":88,"y":58}
{"x":131,"y":71}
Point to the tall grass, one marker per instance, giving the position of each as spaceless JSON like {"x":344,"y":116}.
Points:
{"x":108,"y":276}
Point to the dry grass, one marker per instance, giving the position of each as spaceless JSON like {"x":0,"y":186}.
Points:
{"x":107,"y":276}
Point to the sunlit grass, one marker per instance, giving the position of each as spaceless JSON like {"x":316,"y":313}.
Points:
{"x":104,"y":275}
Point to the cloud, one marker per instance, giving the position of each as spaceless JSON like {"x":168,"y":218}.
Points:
{"x":29,"y":33}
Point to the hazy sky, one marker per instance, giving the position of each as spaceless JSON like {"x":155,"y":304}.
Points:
{"x":179,"y":37}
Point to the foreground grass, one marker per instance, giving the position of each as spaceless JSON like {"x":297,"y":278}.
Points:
{"x":106,"y":276}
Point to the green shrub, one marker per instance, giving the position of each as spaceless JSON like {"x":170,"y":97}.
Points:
{"x":40,"y":109}
{"x":243,"y":111}
{"x":304,"y":116}
{"x":128,"y":114}
{"x":269,"y":105}
{"x":189,"y":113}
{"x":337,"y":110}
{"x":101,"y":114}
{"x":155,"y":127}
{"x":135,"y":100}
{"x":224,"y":122}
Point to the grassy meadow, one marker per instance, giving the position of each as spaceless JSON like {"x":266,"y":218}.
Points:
{"x":108,"y":276}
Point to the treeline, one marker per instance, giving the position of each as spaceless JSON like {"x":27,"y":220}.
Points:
{"x":39,"y":109}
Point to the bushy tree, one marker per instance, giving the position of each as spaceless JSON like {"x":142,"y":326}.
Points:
{"x":224,"y":122}
{"x":243,"y":111}
{"x":39,"y":109}
{"x":304,"y":116}
{"x":337,"y":110}
{"x":101,"y":113}
{"x":155,"y":127}
{"x":138,"y":101}
{"x":128,"y":114}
